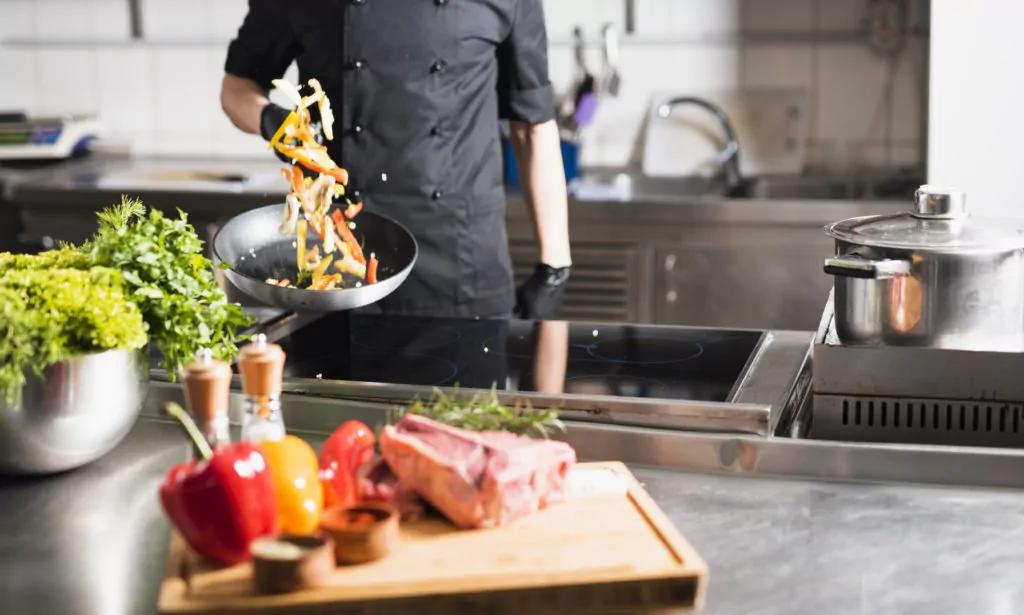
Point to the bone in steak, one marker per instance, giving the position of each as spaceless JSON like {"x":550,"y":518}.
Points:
{"x":476,"y":479}
{"x":377,"y":483}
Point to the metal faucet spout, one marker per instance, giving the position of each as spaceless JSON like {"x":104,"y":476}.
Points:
{"x":729,"y":157}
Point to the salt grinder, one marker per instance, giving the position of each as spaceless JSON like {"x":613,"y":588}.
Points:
{"x":207,"y":390}
{"x":262,"y":368}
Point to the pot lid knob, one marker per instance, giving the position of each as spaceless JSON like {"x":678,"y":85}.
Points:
{"x":940,"y":202}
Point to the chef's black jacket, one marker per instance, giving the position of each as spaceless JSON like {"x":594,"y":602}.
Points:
{"x":418,"y":87}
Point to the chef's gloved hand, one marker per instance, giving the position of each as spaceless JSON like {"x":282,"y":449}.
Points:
{"x":540,"y":297}
{"x":271,"y":119}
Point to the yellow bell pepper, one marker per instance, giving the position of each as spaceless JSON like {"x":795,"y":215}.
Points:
{"x":300,"y":244}
{"x":296,"y":473}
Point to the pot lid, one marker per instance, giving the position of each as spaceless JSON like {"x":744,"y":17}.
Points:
{"x":939,"y":223}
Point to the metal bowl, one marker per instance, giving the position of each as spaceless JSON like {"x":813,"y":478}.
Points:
{"x":80,"y":410}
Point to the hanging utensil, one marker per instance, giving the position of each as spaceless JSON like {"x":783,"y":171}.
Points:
{"x":585,"y":99}
{"x":612,"y":77}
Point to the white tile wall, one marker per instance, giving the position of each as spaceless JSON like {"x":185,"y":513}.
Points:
{"x":17,"y":19}
{"x":161,"y":96}
{"x":778,"y":15}
{"x":66,"y":81}
{"x":177,"y":20}
{"x":126,"y":89}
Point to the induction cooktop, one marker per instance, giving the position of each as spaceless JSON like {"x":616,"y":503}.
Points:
{"x":547,"y":357}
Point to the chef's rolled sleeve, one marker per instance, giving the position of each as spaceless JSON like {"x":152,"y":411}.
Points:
{"x":265,"y":44}
{"x":524,"y":90}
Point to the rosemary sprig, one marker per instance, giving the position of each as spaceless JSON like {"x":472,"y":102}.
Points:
{"x":482,"y":412}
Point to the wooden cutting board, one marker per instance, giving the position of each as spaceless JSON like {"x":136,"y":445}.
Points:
{"x":595,"y":554}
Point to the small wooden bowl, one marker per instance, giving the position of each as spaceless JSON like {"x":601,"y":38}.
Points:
{"x":358,"y":543}
{"x":287,"y":563}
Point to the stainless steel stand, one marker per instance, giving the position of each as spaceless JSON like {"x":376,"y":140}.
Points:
{"x":915,"y":395}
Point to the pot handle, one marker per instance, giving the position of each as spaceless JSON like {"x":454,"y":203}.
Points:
{"x":853,"y":266}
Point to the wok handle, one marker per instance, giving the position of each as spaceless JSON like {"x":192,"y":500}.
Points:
{"x":853,"y":266}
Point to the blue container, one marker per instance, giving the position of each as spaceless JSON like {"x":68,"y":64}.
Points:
{"x":570,"y":162}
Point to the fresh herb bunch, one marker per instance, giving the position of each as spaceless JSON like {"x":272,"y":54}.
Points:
{"x":49,"y":315}
{"x":172,"y":282}
{"x":64,"y":258}
{"x":482,"y":412}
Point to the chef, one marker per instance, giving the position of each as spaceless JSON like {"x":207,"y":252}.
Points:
{"x":418,"y":88}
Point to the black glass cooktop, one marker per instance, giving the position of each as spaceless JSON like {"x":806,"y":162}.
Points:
{"x":525,"y":356}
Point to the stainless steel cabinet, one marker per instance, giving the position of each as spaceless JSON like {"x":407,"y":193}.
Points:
{"x":763,"y":279}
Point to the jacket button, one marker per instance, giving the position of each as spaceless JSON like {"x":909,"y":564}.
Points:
{"x":436,"y":195}
{"x":439,"y":67}
{"x":359,"y":64}
{"x":435,"y":132}
{"x":357,"y":129}
{"x":356,"y":195}
{"x":440,"y":2}
{"x":358,"y":1}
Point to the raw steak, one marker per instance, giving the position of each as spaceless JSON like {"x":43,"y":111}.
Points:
{"x":377,"y":483}
{"x":476,"y":479}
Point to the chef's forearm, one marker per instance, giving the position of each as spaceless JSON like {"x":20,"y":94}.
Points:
{"x":243,"y":101}
{"x":538,"y":154}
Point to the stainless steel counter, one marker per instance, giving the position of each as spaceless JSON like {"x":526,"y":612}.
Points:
{"x":94,"y":541}
{"x":661,"y":256}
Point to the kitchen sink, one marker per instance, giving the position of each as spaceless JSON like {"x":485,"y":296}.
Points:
{"x":800,"y":188}
{"x":611,"y":185}
{"x":188,"y":179}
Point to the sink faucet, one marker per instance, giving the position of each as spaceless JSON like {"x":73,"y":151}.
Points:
{"x":729,"y":158}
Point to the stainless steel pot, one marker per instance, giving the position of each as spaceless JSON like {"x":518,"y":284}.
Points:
{"x":80,"y":410}
{"x":934,"y":277}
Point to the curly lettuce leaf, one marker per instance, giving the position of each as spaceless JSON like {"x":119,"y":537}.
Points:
{"x":49,"y":315}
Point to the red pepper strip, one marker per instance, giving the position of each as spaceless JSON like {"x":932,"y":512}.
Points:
{"x":339,"y":174}
{"x":371,"y":271}
{"x":298,"y":181}
{"x":314,"y":223}
{"x":346,"y":234}
{"x":348,"y":448}
{"x":304,"y":156}
{"x":222,"y":501}
{"x":353,"y":210}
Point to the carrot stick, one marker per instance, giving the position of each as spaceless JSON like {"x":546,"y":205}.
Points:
{"x":346,"y":234}
{"x":371,"y":271}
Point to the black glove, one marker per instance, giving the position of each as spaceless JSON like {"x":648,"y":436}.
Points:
{"x":271,"y":119}
{"x":540,"y":297}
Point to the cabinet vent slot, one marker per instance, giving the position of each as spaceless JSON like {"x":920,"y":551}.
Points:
{"x":924,"y":421}
{"x":603,"y":285}
{"x":885,"y":413}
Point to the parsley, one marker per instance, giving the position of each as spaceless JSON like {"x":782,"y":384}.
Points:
{"x":172,"y":282}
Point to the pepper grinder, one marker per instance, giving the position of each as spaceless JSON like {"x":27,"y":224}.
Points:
{"x":207,"y":389}
{"x":262,"y":368}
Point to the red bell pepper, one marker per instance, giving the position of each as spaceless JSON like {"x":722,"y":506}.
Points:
{"x":347,"y":236}
{"x":371,"y":270}
{"x":348,"y":448}
{"x":353,"y":210}
{"x":223,"y":500}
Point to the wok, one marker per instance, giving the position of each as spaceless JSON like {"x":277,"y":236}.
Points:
{"x":254,"y":249}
